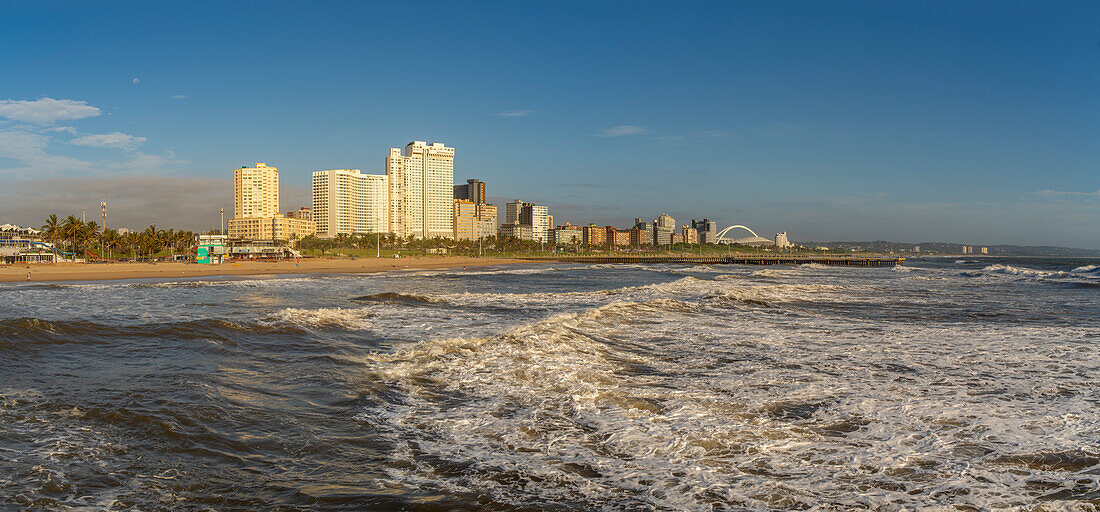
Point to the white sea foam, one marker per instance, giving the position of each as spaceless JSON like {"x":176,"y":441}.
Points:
{"x":596,"y":405}
{"x":346,"y":318}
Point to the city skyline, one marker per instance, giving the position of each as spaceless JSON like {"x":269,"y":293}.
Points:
{"x":854,"y":123}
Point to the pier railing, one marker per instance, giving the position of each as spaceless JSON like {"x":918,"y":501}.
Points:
{"x":745,"y":259}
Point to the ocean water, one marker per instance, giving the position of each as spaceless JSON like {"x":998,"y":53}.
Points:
{"x":945,"y":384}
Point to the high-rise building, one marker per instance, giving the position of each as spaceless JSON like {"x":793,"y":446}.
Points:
{"x":465,"y":220}
{"x":985,"y":250}
{"x":538,"y":218}
{"x":707,"y":229}
{"x":349,"y":202}
{"x":519,"y":213}
{"x":486,"y":220}
{"x":421,"y":195}
{"x":512,"y":211}
{"x":781,"y":240}
{"x":256,"y":191}
{"x":473,"y":191}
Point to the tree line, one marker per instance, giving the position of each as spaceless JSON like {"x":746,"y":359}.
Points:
{"x":79,"y":238}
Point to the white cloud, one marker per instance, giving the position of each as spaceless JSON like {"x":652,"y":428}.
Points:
{"x":514,"y":113}
{"x":29,"y":150}
{"x":670,"y":138}
{"x":178,"y":96}
{"x":1056,"y":193}
{"x":46,"y":110}
{"x":624,"y":129}
{"x":714,"y":133}
{"x":115,"y":140}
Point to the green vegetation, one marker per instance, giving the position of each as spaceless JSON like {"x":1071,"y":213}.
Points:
{"x":88,"y":240}
{"x":368,"y":245}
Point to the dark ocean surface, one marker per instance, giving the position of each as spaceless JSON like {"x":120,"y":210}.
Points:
{"x":968,"y":384}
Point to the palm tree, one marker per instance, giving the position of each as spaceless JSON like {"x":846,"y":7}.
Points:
{"x":51,"y":230}
{"x":70,"y":231}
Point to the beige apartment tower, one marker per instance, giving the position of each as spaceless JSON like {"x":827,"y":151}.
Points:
{"x":347,"y":201}
{"x":256,"y":191}
{"x":421,"y":190}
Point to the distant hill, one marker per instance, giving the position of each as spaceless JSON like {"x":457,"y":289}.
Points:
{"x":932,"y":248}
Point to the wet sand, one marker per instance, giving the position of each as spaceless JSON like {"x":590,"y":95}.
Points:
{"x":107,"y":271}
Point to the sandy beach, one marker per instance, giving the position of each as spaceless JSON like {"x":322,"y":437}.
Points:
{"x":106,"y":271}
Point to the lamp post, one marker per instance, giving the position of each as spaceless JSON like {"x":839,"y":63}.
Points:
{"x":222,"y":212}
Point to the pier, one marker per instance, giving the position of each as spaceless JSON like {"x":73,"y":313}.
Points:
{"x":742,"y":259}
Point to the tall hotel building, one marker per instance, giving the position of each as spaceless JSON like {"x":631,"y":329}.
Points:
{"x":256,"y":191}
{"x":347,"y":201}
{"x":421,"y":189}
{"x":256,"y":208}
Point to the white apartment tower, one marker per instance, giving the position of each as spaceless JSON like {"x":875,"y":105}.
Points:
{"x":347,"y":201}
{"x":255,"y":191}
{"x":421,"y":190}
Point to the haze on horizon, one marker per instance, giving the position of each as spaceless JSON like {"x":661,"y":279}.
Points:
{"x":973,"y":123}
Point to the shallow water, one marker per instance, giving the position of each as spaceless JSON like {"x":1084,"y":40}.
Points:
{"x":966,"y":385}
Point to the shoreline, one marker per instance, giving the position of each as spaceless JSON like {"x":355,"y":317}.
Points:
{"x":119,"y":271}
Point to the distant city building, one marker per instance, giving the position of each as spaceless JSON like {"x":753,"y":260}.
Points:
{"x":618,"y":237}
{"x":690,"y":235}
{"x":256,"y":191}
{"x":568,"y":235}
{"x":916,"y":248}
{"x":421,"y":190}
{"x":538,"y":217}
{"x":594,"y":236}
{"x":473,"y":191}
{"x":664,"y":227}
{"x":465,"y":220}
{"x":486,"y":220}
{"x":512,"y":211}
{"x":985,"y":250}
{"x":781,"y":240}
{"x":707,"y":230}
{"x":346,"y":201}
{"x":642,"y":233}
{"x":665,"y":221}
{"x":520,"y":231}
{"x":304,"y":213}
{"x":519,"y":213}
{"x":677,"y":238}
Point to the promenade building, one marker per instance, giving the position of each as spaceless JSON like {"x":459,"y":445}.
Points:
{"x":256,"y":191}
{"x":421,"y":190}
{"x":473,"y":191}
{"x":277,"y":227}
{"x":346,"y":201}
{"x":25,"y":245}
{"x":465,"y":220}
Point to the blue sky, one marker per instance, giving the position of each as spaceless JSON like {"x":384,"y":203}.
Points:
{"x":966,"y":122}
